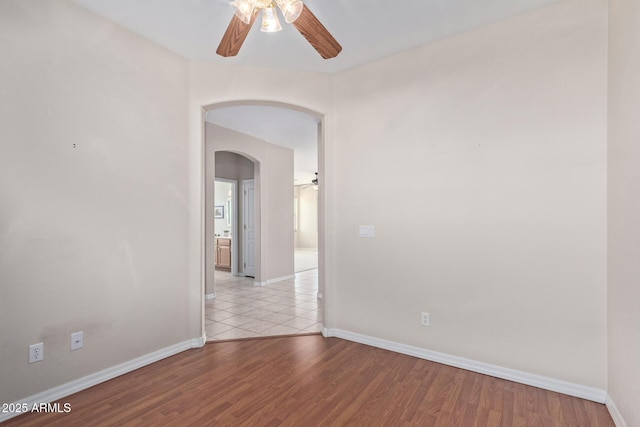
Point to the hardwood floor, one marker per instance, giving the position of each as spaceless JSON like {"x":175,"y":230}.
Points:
{"x":309,"y":381}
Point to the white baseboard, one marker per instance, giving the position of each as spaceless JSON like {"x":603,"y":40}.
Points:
{"x":83,"y":383}
{"x":564,"y":387}
{"x":197,"y":342}
{"x":615,"y":413}
{"x":210,"y":296}
{"x":281,"y":279}
{"x":276,"y":280}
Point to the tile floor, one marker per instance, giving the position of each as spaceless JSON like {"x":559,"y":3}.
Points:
{"x":305,"y":259}
{"x":242,"y":310}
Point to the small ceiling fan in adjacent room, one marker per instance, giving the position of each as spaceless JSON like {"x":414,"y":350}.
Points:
{"x":294,"y":11}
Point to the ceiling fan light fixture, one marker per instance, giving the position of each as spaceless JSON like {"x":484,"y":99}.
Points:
{"x":294,"y":11}
{"x":244,"y":9}
{"x":291,"y":9}
{"x":270,"y":21}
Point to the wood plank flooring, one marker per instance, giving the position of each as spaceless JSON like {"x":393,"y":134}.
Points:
{"x":313,"y":381}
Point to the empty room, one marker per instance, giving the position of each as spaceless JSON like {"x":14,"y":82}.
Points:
{"x":475,"y":235}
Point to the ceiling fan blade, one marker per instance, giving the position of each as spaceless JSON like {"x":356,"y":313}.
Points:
{"x":316,"y":34}
{"x":235,"y":35}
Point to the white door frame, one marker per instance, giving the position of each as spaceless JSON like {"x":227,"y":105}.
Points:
{"x":245,"y":229}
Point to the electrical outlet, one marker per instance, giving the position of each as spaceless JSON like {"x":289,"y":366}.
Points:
{"x":425,"y":319}
{"x":36,"y":352}
{"x":77,"y":340}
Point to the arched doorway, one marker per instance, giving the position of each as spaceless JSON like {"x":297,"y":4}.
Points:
{"x":234,"y":214}
{"x":269,"y":270}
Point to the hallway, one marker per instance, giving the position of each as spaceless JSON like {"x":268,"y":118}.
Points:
{"x":242,"y":310}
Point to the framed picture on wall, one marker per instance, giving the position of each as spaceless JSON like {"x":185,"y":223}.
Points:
{"x":218,"y":211}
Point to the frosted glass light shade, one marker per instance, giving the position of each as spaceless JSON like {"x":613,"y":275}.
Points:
{"x":244,"y":10}
{"x":270,"y":21}
{"x":291,"y":9}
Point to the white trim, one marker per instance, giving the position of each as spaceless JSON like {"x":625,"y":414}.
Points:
{"x":618,"y":420}
{"x":195,"y":343}
{"x":84,"y":383}
{"x":246,"y":226}
{"x":577,"y":390}
{"x":276,"y":280}
{"x":280,"y":279}
{"x":210,"y":296}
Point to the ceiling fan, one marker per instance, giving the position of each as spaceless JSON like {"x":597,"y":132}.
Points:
{"x":294,"y":11}
{"x":313,"y":183}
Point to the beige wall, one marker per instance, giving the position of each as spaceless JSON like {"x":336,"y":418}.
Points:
{"x":307,"y":217}
{"x":296,"y":233}
{"x":624,"y":209}
{"x":94,"y":190}
{"x":499,"y":138}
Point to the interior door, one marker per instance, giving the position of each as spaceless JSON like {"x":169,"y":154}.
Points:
{"x":249,"y":228}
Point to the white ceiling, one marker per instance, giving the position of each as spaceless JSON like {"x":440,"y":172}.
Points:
{"x":367,"y":30}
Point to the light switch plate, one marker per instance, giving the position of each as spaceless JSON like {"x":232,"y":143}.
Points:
{"x":367,"y":231}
